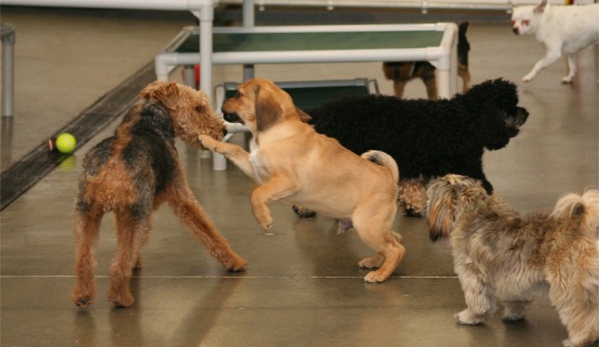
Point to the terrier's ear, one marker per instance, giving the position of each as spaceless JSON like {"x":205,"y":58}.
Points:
{"x":164,"y":92}
{"x":540,"y":7}
{"x":267,"y":109}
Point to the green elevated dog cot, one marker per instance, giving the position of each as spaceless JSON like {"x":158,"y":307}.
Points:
{"x":311,"y":94}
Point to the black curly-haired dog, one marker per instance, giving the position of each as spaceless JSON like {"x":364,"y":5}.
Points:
{"x":427,"y":138}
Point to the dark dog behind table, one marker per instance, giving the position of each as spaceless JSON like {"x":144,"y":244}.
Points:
{"x":403,"y":72}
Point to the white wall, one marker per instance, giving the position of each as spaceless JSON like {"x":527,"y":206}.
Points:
{"x":463,"y":4}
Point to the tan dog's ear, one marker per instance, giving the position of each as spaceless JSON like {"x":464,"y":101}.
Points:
{"x":267,"y":110}
{"x":160,"y":91}
{"x":304,"y":117}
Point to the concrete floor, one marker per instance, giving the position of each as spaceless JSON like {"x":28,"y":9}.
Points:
{"x":303,"y":286}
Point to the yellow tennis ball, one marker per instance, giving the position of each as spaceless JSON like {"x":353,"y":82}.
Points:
{"x":65,"y":143}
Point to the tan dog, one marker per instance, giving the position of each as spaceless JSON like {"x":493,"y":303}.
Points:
{"x":294,"y":163}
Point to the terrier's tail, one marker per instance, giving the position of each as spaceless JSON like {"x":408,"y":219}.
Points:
{"x":581,"y":209}
{"x":383,"y":159}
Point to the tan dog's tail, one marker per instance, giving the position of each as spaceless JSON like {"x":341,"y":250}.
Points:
{"x":580,"y":209}
{"x":383,"y":159}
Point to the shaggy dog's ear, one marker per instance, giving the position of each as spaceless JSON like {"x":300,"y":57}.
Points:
{"x":267,"y":109}
{"x":449,"y":198}
{"x":439,"y":209}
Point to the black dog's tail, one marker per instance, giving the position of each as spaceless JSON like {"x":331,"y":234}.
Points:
{"x":383,"y":159}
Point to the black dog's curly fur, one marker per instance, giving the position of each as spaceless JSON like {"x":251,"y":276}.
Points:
{"x":428,"y":139}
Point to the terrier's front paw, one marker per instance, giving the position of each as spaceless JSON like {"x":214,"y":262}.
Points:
{"x":121,"y":299}
{"x":236,"y":264}
{"x":208,"y":142}
{"x":83,"y":296}
{"x":84,"y":301}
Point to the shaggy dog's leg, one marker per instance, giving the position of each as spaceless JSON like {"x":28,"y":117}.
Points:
{"x":87,"y":225}
{"x":574,"y":292}
{"x":514,"y":310}
{"x":479,"y":296}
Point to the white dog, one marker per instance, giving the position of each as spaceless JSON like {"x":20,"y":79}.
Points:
{"x":563,"y":30}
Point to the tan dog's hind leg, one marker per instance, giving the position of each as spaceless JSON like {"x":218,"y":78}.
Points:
{"x":375,"y":231}
{"x":277,"y":188}
{"x":377,"y":259}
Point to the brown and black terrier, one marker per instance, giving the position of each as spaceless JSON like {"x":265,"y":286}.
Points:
{"x":132,"y":173}
{"x":403,"y":72}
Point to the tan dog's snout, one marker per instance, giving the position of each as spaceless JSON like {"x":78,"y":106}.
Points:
{"x":232,"y":117}
{"x":229,"y":113}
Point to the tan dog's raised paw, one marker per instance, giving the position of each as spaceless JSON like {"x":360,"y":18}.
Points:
{"x":209,"y":143}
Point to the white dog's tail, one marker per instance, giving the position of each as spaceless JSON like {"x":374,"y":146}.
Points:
{"x":383,"y":159}
{"x":585,"y":207}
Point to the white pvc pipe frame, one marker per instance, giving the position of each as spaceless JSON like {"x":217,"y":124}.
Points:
{"x":442,"y":56}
